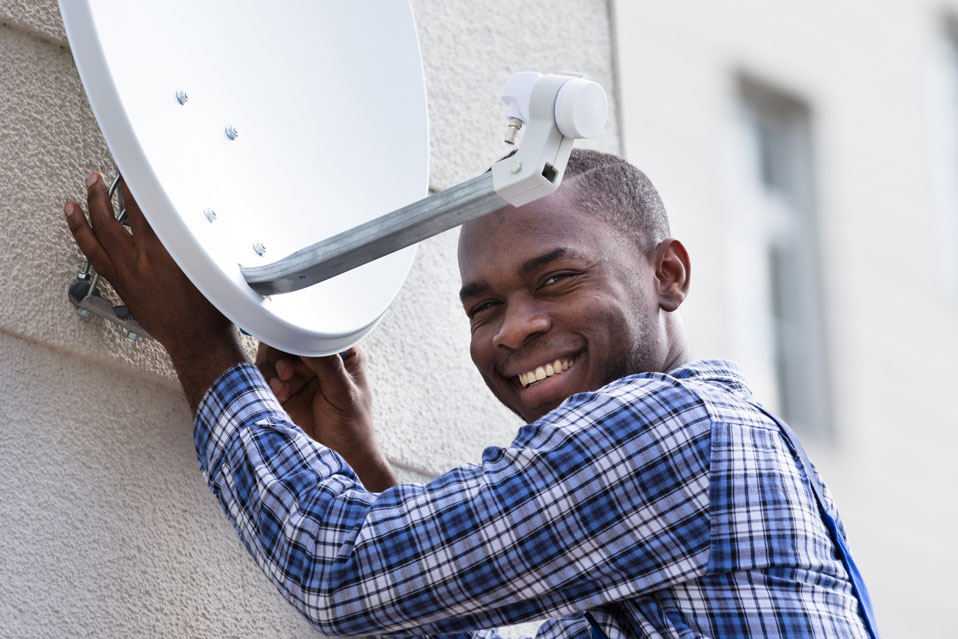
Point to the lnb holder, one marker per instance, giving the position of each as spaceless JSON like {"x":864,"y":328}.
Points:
{"x":555,"y":110}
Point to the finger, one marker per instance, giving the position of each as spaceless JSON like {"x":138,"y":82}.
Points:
{"x":354,"y":359}
{"x":331,"y":373}
{"x":295,"y":375}
{"x":112,"y":236}
{"x":266,"y":367}
{"x":143,"y":234}
{"x":279,"y":388}
{"x":278,"y":363}
{"x":86,"y":240}
{"x":263,"y":362}
{"x":293,"y":379}
{"x":286,"y":368}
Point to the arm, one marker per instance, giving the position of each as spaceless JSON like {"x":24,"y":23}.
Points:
{"x":588,"y":506}
{"x":330,"y":396}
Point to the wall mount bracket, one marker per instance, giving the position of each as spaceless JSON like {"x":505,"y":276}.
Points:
{"x":84,"y":294}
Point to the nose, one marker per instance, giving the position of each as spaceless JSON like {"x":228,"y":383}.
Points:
{"x":521,"y":321}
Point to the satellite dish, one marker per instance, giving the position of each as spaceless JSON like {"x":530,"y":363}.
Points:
{"x":247,"y":133}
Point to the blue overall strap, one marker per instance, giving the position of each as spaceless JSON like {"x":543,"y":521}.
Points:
{"x":830,"y":517}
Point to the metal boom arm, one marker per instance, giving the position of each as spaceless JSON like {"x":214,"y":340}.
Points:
{"x":377,"y":237}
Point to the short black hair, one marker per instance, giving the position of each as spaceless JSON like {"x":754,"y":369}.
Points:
{"x":617,"y":192}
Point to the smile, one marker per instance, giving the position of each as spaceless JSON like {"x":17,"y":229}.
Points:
{"x":545,"y":371}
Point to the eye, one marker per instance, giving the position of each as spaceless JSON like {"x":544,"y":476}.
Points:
{"x":555,"y":278}
{"x":480,"y":307}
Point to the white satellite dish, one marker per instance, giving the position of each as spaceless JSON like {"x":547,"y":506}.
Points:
{"x":249,"y":131}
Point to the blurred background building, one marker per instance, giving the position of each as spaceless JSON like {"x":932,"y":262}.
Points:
{"x":808,"y":155}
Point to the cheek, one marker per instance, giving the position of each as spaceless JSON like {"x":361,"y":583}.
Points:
{"x":480,"y":349}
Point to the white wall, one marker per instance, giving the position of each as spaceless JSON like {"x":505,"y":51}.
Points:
{"x":891,"y":315}
{"x":106,"y":527}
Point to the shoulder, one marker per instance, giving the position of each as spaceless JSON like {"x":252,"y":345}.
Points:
{"x":691,"y":397}
{"x":654,"y":419}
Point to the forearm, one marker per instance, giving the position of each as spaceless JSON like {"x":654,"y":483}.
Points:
{"x":200,"y":363}
{"x":374,"y":471}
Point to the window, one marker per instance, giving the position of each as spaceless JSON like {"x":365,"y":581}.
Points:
{"x":781,"y":329}
{"x":943,"y":85}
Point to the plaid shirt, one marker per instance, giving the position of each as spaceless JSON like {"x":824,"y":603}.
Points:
{"x":662,"y":504}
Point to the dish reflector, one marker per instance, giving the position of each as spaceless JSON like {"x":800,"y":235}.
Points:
{"x":246,"y":133}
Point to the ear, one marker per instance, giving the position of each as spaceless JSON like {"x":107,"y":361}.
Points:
{"x":672,"y":273}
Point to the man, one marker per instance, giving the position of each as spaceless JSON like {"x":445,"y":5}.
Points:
{"x":647,"y":496}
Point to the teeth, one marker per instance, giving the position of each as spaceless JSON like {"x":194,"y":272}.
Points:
{"x":542,"y":372}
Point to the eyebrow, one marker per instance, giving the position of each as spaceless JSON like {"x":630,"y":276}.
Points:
{"x":535,"y":263}
{"x":529,"y":266}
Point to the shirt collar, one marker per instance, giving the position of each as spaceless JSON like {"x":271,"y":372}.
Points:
{"x":714,"y":370}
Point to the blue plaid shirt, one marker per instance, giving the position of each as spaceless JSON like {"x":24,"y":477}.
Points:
{"x":665,"y":505}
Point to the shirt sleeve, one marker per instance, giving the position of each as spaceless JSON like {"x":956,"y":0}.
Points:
{"x":603,"y":499}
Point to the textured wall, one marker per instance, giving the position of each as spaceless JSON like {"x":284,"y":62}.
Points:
{"x":863,"y":68}
{"x":107,"y":527}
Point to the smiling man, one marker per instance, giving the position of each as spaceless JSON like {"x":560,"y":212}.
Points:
{"x":649,"y":495}
{"x":576,"y":290}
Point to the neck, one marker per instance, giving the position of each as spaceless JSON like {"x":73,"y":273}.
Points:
{"x":679,"y":350}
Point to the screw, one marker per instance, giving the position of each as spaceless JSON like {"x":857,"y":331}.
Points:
{"x":513,"y":131}
{"x":516,"y":167}
{"x":259,"y":248}
{"x":232,"y":132}
{"x":182,"y":97}
{"x":82,"y":312}
{"x":133,"y":337}
{"x":210,"y":215}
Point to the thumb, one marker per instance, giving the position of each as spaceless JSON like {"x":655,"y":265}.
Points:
{"x":354,"y":360}
{"x":330,"y":372}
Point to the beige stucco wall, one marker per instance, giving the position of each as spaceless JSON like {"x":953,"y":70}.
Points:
{"x":864,"y":69}
{"x":106,"y":528}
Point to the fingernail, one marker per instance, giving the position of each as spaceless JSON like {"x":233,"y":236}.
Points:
{"x":281,"y":366}
{"x":275,"y":385}
{"x":70,"y":209}
{"x":90,"y":181}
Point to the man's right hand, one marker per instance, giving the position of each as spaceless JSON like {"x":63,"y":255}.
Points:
{"x":330,"y":399}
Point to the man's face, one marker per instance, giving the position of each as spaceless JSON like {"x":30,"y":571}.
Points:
{"x":559,"y":303}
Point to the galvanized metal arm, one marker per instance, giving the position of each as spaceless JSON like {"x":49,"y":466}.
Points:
{"x":557,"y":109}
{"x":376,"y":238}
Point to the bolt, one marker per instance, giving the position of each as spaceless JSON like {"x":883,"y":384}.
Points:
{"x":516,"y":167}
{"x":513,"y":130}
{"x":259,"y":248}
{"x":182,"y":97}
{"x":210,"y":215}
{"x":232,"y":132}
{"x":82,"y":312}
{"x":133,"y":337}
